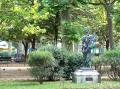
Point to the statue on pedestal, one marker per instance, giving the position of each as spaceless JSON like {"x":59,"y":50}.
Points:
{"x":87,"y":74}
{"x":88,"y":43}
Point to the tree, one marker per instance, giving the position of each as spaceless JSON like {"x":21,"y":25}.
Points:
{"x":23,"y":18}
{"x":108,"y":6}
{"x":41,"y":62}
{"x":59,"y":10}
{"x":117,"y":23}
{"x":72,"y":33}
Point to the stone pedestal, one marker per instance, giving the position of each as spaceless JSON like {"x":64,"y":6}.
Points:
{"x":86,"y":75}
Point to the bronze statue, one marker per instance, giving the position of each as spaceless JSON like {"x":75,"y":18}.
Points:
{"x":88,"y":43}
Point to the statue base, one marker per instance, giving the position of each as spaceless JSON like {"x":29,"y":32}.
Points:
{"x":86,"y":75}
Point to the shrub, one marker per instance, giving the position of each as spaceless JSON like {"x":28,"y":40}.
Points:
{"x":66,"y":61}
{"x":98,"y":62}
{"x":60,"y":56}
{"x":75,"y":61}
{"x":113,"y":53}
{"x":113,"y":60}
{"x":52,"y":49}
{"x":40,"y":62}
{"x":109,"y":63}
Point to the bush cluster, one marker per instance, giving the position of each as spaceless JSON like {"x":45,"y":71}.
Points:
{"x":74,"y":62}
{"x":109,"y":63}
{"x":51,"y":63}
{"x":41,"y":62}
{"x":113,"y":60}
{"x":58,"y":59}
{"x":65,"y":62}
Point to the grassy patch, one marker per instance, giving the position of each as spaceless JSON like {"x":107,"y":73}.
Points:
{"x":58,"y":85}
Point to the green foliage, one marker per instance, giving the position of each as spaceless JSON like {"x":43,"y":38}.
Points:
{"x":56,"y":5}
{"x":41,"y":62}
{"x":30,"y":30}
{"x":41,"y":58}
{"x":20,"y":21}
{"x":72,"y":31}
{"x":113,"y":60}
{"x":74,"y":61}
{"x":52,"y":49}
{"x":21,"y":16}
{"x":39,"y":73}
{"x":60,"y":55}
{"x":98,"y":62}
{"x":66,"y":61}
{"x":65,"y":55}
{"x":113,"y":53}
{"x":22,"y":13}
{"x":59,"y":59}
{"x":109,"y":63}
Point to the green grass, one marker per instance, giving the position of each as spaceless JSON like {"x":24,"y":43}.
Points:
{"x":57,"y":85}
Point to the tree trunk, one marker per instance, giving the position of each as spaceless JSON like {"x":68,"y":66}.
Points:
{"x":26,"y":51}
{"x":109,"y":20}
{"x":33,"y":39}
{"x":66,"y":14}
{"x":32,"y":2}
{"x":65,"y":17}
{"x":25,"y":43}
{"x":41,"y":80}
{"x":56,"y":27}
{"x":107,"y":44}
{"x":108,"y":9}
{"x":55,"y":35}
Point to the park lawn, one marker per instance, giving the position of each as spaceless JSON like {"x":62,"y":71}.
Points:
{"x":58,"y":85}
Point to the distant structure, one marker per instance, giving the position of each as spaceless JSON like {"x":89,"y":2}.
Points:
{"x":6,"y":48}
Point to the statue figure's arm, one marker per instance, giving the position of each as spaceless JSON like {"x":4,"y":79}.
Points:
{"x":93,"y":39}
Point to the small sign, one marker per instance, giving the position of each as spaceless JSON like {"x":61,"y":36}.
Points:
{"x":89,"y":79}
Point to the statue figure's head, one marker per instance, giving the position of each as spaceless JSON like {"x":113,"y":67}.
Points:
{"x":86,"y":30}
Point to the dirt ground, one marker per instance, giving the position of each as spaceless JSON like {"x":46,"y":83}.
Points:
{"x":14,"y":65}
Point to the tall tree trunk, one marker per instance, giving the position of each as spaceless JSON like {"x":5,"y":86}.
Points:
{"x":25,"y":43}
{"x":66,"y":17}
{"x":56,"y":35}
{"x":107,"y":44}
{"x":109,"y":20}
{"x":56,"y":27}
{"x":108,"y":9}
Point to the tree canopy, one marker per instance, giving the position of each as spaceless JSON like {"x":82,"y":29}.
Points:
{"x":59,"y":20}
